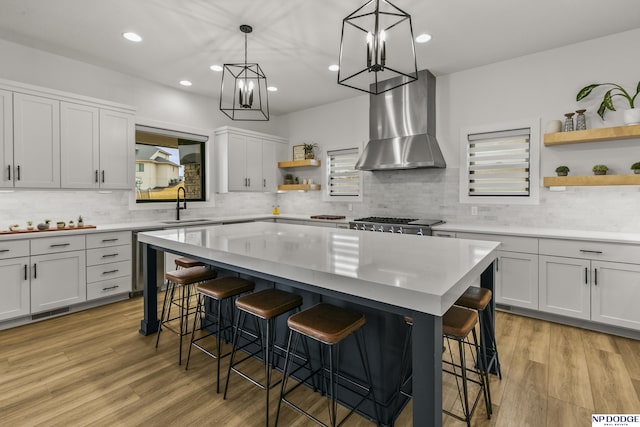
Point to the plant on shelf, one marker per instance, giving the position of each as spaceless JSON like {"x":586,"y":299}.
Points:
{"x":562,"y":170}
{"x":635,"y":167}
{"x":288,"y":179}
{"x":631,"y":116}
{"x":80,"y":221}
{"x":600,"y":169}
{"x":30,"y":225}
{"x":14,"y":227}
{"x":60,"y":224}
{"x":308,"y":150}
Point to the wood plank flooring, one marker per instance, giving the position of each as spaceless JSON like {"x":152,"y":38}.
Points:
{"x":93,"y":368}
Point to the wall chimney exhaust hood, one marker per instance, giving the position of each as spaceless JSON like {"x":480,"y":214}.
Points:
{"x":402,"y":127}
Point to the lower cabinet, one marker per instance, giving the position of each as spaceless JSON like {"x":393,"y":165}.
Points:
{"x":14,"y":287}
{"x":516,"y":281}
{"x":565,"y":286}
{"x":615,"y":294}
{"x":58,"y":280}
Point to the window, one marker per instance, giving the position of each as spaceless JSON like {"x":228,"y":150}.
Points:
{"x":344,"y":182}
{"x":501,"y":165}
{"x":166,"y":161}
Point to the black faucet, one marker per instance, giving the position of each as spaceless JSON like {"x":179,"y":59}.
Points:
{"x":184,"y":206}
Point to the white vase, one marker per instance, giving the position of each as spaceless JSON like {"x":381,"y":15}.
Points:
{"x":632,"y":116}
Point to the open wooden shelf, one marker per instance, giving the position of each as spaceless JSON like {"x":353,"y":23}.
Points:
{"x":591,"y":180}
{"x":592,"y":135}
{"x":298,"y":187}
{"x":299,"y":163}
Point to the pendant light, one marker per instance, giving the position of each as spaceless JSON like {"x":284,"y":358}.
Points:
{"x":243,"y":92}
{"x":377,"y":52}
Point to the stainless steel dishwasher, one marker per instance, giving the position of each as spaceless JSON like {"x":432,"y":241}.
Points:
{"x":138,"y":284}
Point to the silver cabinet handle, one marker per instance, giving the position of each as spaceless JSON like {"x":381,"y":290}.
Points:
{"x":59,"y":245}
{"x":110,"y":271}
{"x":585,"y":251}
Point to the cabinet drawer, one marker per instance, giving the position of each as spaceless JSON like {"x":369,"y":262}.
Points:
{"x":527,"y":245}
{"x":109,"y":254}
{"x":450,"y":234}
{"x":51,"y":245}
{"x":106,"y":288}
{"x":108,"y":271}
{"x":101,"y":240}
{"x":616,"y":252}
{"x":14,"y":249}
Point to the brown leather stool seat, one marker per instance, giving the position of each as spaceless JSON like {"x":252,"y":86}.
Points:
{"x":329,"y":325}
{"x":475,"y":298}
{"x":220,"y":290}
{"x":458,"y":322}
{"x":184,"y":262}
{"x":265,"y":306}
{"x":182,"y":278}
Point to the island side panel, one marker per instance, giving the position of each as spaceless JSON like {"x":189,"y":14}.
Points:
{"x":149,"y":324}
{"x":487,"y":280}
{"x":427,"y":369}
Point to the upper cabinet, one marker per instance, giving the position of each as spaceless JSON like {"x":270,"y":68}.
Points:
{"x":117,"y":149}
{"x":246,"y":160}
{"x":6,"y":139}
{"x":36,"y":141}
{"x":79,"y":154}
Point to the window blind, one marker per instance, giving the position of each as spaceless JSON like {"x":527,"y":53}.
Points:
{"x":343,"y":178}
{"x":499,"y":163}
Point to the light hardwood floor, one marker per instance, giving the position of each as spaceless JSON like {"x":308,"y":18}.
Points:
{"x":93,"y":368}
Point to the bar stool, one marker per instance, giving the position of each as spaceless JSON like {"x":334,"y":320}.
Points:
{"x":182,"y":278}
{"x":264,"y":305}
{"x":478,"y":299}
{"x":219,"y":290}
{"x":328,"y":325}
{"x":184,"y":262}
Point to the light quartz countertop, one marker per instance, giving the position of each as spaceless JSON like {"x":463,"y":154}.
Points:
{"x":414,"y":272}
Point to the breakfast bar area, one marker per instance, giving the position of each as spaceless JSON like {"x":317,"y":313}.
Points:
{"x":384,"y":276}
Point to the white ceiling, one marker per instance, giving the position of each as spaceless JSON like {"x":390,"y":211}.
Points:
{"x":294,"y":41}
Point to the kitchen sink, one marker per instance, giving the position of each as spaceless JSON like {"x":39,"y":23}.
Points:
{"x":186,"y":220}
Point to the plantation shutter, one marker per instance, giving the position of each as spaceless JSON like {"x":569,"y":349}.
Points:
{"x":343,"y":178}
{"x":499,"y":163}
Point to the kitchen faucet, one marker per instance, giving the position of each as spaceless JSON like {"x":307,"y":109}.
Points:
{"x":184,"y":198}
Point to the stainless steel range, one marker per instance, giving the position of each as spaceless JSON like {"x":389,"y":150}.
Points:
{"x":420,"y":227}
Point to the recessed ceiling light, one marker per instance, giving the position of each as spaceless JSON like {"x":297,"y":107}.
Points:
{"x":423,"y":38}
{"x":132,"y":37}
{"x":216,"y":68}
{"x":185,"y":83}
{"x":334,"y":67}
{"x":272,"y":89}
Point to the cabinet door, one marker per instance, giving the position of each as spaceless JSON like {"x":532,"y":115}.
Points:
{"x":117,"y":148}
{"x":615,"y":293}
{"x":254,"y":164}
{"x":14,"y":288}
{"x":237,"y":158}
{"x":36,"y":128}
{"x":517,"y":279}
{"x":79,"y":146}
{"x":269,"y":166}
{"x":6,"y":139}
{"x":565,"y":286}
{"x":58,"y":280}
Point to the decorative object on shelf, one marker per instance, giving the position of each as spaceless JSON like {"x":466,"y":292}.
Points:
{"x":80,"y":221}
{"x":581,"y":120}
{"x":71,"y":224}
{"x":43,"y":226}
{"x":250,"y":102}
{"x":276,"y":210}
{"x":14,"y":227}
{"x":296,"y":180}
{"x":288,"y":179}
{"x":47,"y":223}
{"x":308,"y":150}
{"x":30,"y":225}
{"x":562,"y":170}
{"x":60,"y":224}
{"x":298,"y":152}
{"x":568,"y":122}
{"x":600,"y":169}
{"x":377,"y":45}
{"x":631,"y":116}
{"x":554,"y":126}
{"x":636,"y":167}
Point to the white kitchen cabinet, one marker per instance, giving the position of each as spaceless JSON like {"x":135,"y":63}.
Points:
{"x":565,"y":286}
{"x":109,"y":266}
{"x":615,"y":294}
{"x":58,"y":280}
{"x":247,"y":161}
{"x":36,"y":133}
{"x":117,"y":150}
{"x":14,"y":287}
{"x":79,"y":145}
{"x":6,"y":139}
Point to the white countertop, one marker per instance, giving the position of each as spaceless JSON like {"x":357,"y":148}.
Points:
{"x":425,"y":274}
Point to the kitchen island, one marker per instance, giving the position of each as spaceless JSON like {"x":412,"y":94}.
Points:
{"x":398,"y":275}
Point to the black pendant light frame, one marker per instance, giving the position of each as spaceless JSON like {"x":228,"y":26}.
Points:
{"x":244,"y":106}
{"x":376,"y":61}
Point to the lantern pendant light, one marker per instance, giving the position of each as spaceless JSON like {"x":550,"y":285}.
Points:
{"x":243,"y":92}
{"x":377,"y":51}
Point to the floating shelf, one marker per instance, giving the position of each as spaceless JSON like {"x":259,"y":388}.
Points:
{"x":591,"y":180}
{"x":302,"y":163}
{"x":592,"y":135}
{"x":299,"y":187}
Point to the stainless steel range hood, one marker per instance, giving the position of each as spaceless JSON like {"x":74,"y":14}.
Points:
{"x":402,"y":127}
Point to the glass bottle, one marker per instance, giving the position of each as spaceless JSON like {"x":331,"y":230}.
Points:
{"x":581,"y":120}
{"x":568,"y":122}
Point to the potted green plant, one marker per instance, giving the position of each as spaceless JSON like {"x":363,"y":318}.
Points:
{"x":60,"y":224}
{"x":308,"y":150}
{"x":30,"y":225}
{"x":14,"y":227}
{"x":80,"y":221}
{"x":562,"y":170}
{"x":288,"y":179}
{"x":631,"y":116}
{"x":71,"y":224}
{"x":635,"y":167}
{"x":600,"y":169}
